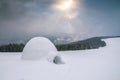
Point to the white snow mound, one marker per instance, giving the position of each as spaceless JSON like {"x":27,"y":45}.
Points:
{"x":38,"y":48}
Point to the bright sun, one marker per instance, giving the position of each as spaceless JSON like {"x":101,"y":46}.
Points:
{"x":65,"y":6}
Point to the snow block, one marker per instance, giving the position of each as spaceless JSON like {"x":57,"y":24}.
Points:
{"x":38,"y":48}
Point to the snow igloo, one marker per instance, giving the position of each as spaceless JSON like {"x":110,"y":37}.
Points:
{"x":38,"y":48}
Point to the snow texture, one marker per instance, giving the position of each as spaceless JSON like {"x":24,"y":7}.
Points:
{"x":54,"y":57}
{"x":96,"y":64}
{"x":38,"y":48}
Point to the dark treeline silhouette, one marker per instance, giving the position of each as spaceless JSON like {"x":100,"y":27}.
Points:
{"x":91,"y":43}
{"x":12,"y":48}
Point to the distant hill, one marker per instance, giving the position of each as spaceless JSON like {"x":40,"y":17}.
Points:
{"x":90,"y":43}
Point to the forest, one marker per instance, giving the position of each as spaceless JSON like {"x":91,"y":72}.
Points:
{"x":92,"y":43}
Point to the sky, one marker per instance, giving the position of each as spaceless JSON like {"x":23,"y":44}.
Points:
{"x":21,"y":20}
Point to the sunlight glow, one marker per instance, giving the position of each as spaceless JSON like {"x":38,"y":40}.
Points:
{"x":66,"y":7}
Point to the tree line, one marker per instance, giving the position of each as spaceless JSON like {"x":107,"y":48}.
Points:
{"x":19,"y":47}
{"x":12,"y":47}
{"x":92,"y":43}
{"x":62,"y":47}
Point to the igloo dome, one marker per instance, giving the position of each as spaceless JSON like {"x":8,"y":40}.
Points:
{"x":38,"y":48}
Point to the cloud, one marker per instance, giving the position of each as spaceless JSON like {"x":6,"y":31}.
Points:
{"x":16,"y":8}
{"x":33,"y":16}
{"x":24,"y":19}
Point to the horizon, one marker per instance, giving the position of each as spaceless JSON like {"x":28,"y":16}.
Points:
{"x":54,"y":40}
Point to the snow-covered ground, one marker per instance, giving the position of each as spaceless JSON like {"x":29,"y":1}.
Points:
{"x":96,"y":64}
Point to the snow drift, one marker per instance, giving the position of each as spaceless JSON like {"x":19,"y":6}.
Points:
{"x":38,"y":48}
{"x":96,"y":64}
